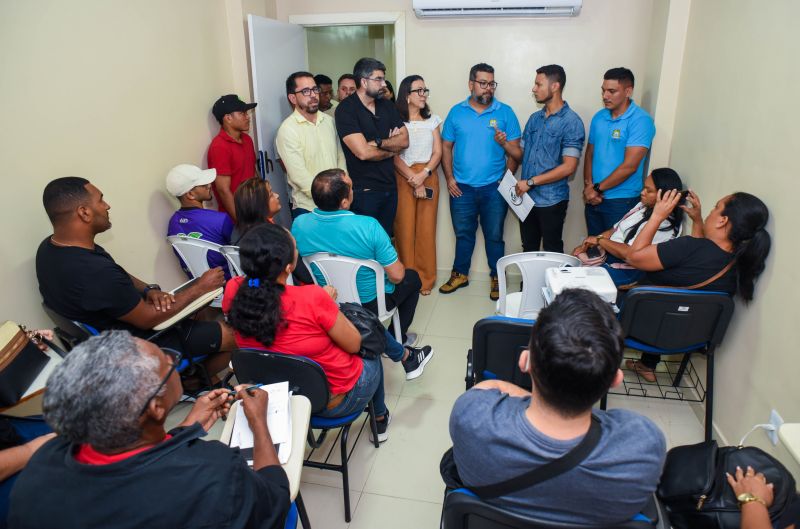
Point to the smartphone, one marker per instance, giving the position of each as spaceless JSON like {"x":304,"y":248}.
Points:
{"x":429,"y":193}
{"x":684,"y":194}
{"x":593,"y":252}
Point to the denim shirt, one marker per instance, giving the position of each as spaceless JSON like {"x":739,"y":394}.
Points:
{"x":545,"y":142}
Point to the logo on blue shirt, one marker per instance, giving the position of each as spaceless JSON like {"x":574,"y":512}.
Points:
{"x":615,"y":134}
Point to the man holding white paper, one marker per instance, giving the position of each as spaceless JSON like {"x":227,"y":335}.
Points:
{"x":549,"y":154}
{"x":473,"y":164}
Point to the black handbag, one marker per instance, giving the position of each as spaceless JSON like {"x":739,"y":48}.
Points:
{"x":696,"y":492}
{"x":20,"y":363}
{"x":373,"y":334}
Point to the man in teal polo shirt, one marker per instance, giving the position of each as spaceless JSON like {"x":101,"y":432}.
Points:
{"x":473,"y":164}
{"x":619,"y":137}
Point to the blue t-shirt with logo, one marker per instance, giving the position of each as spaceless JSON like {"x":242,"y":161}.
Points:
{"x":478,"y":160}
{"x":205,"y":224}
{"x":610,"y":137}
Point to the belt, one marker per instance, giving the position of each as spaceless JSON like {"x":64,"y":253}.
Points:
{"x":335,"y":399}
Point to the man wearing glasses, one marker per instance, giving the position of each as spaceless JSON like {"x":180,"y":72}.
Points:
{"x":114,"y":463}
{"x":306,"y":140}
{"x":473,"y":164}
{"x":372,"y":132}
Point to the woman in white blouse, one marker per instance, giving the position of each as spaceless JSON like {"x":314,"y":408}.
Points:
{"x":418,"y":182}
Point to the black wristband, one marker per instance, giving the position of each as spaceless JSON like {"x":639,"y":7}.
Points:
{"x":596,"y":187}
{"x":148,"y":288}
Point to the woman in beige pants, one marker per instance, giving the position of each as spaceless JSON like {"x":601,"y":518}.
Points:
{"x":418,"y":182}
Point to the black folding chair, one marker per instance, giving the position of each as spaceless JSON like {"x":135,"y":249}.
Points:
{"x":497,"y":342}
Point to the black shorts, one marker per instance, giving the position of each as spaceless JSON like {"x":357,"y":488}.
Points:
{"x":192,"y":337}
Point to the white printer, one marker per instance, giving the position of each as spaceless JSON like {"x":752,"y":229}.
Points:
{"x":594,"y":278}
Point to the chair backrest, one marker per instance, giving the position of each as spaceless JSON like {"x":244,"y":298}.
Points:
{"x":70,"y":332}
{"x":463,"y":510}
{"x":340,"y":272}
{"x":231,"y":254}
{"x":532,"y":266}
{"x":305,"y":376}
{"x":497,"y":342}
{"x":193,"y":252}
{"x":673,"y":318}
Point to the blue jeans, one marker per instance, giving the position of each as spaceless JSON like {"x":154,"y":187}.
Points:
{"x":621,"y":276}
{"x":380,"y":205}
{"x":369,"y":387}
{"x":603,"y":216}
{"x":482,"y":203}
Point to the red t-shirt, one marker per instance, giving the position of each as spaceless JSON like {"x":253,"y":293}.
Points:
{"x":231,"y":158}
{"x":89,"y":456}
{"x":309,"y":314}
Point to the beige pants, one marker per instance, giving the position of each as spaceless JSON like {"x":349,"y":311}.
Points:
{"x":415,"y":227}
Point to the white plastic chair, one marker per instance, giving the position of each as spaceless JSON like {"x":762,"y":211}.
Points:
{"x":231,"y":254}
{"x":340,"y":272}
{"x":530,"y":301}
{"x":194,"y":252}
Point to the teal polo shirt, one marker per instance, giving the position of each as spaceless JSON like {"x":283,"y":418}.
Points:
{"x":478,"y":160}
{"x":344,"y":233}
{"x":610,"y":137}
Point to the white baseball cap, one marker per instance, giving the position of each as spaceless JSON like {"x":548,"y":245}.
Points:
{"x":182,"y":178}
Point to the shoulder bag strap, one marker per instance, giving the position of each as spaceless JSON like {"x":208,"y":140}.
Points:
{"x":712,"y":278}
{"x":547,"y":471}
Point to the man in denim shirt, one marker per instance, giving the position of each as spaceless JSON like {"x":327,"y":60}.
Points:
{"x":550,"y":150}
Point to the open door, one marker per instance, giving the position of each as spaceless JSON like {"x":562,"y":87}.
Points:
{"x":277,"y":49}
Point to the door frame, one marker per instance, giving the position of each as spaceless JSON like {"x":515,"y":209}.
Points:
{"x":395,"y":18}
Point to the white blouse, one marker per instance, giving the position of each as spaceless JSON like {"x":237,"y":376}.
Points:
{"x":630,"y":220}
{"x":420,"y":140}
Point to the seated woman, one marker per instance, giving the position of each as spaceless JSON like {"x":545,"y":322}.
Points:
{"x":618,"y":240}
{"x":726,"y":252}
{"x":255,"y":204}
{"x":305,"y":321}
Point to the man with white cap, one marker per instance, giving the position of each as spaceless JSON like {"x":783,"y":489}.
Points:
{"x":192,"y":186}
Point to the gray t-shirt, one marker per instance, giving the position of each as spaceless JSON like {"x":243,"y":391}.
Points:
{"x":493,"y":441}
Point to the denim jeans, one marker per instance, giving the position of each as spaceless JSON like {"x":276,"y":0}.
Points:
{"x":621,"y":276}
{"x":380,"y":205}
{"x":603,"y":216}
{"x":482,"y":203}
{"x":369,"y":387}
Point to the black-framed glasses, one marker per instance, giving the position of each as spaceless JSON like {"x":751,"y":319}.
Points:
{"x":376,"y":79}
{"x":421,"y":92}
{"x":307,"y":91}
{"x":176,"y":357}
{"x":485,"y":84}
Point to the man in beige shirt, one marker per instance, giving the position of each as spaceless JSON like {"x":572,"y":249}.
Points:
{"x":307,"y":142}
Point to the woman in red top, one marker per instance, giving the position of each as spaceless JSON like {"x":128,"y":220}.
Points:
{"x":301,"y":320}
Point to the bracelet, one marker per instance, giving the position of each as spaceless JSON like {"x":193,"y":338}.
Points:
{"x":428,"y":171}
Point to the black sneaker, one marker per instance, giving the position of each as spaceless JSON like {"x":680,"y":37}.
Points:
{"x":417,"y":358}
{"x":382,"y":427}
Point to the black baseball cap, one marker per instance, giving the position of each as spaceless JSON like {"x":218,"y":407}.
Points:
{"x":228,"y":104}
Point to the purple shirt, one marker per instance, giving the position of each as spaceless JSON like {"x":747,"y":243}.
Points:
{"x":205,"y":224}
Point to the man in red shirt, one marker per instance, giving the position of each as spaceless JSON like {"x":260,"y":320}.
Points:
{"x":231,"y":152}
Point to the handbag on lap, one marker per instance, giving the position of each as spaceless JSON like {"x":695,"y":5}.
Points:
{"x":21,"y":361}
{"x":373,"y":334}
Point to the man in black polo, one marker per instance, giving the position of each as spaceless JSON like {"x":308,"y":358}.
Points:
{"x":372,"y":132}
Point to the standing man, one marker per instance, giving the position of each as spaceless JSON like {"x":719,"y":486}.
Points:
{"x":619,"y":137}
{"x":552,"y":144}
{"x":231,"y":152}
{"x":346,"y":86}
{"x":473,"y":164}
{"x":306,"y":141}
{"x":372,"y":132}
{"x":326,"y":102}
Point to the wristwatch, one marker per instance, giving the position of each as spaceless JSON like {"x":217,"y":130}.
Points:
{"x":596,"y":187}
{"x":530,"y":182}
{"x":150,"y":287}
{"x":428,"y":171}
{"x":746,"y":497}
{"x":378,"y":142}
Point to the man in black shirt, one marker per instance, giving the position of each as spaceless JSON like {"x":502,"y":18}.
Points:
{"x":372,"y":132}
{"x":79,"y":280}
{"x":114,"y":465}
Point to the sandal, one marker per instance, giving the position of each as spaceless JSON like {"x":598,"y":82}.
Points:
{"x":425,"y":292}
{"x":642,"y":370}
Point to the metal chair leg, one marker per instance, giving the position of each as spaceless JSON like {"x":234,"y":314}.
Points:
{"x":681,"y":370}
{"x":301,"y":512}
{"x":709,"y":392}
{"x":345,"y":474}
{"x":373,"y":424}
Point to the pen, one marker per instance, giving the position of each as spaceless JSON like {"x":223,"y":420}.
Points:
{"x":256,"y":386}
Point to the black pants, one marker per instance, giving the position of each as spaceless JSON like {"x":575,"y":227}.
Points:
{"x":544,"y":227}
{"x":405,"y":298}
{"x":380,"y":205}
{"x":650,"y":360}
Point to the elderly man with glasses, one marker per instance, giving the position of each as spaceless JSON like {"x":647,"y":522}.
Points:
{"x":306,"y":140}
{"x":372,"y":133}
{"x":113,"y":463}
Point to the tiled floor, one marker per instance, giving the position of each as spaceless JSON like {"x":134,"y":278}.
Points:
{"x":398,"y":485}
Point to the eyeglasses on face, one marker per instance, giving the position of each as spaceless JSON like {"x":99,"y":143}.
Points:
{"x":176,"y":360}
{"x":381,"y":80}
{"x":421,"y":92}
{"x":307,"y":91}
{"x":485,"y":84}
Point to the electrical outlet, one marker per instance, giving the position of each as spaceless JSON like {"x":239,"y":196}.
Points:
{"x":775,"y":420}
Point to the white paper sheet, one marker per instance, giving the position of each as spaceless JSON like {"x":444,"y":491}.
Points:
{"x":279,"y":419}
{"x":520,"y":205}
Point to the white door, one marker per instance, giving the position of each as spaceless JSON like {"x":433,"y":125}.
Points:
{"x":277,"y":49}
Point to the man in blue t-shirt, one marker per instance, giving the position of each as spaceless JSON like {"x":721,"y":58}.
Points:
{"x":473,"y":164}
{"x":192,"y":186}
{"x":619,"y":137}
{"x":501,"y":431}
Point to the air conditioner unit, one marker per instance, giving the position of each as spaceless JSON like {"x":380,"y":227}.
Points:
{"x":496,"y":8}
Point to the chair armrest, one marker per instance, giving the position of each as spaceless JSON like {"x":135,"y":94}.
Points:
{"x":470,"y":376}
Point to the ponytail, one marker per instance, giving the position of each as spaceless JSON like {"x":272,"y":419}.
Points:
{"x":748,"y":217}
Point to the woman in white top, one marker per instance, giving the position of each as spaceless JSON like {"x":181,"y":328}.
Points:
{"x":618,"y":240}
{"x":418,"y":182}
